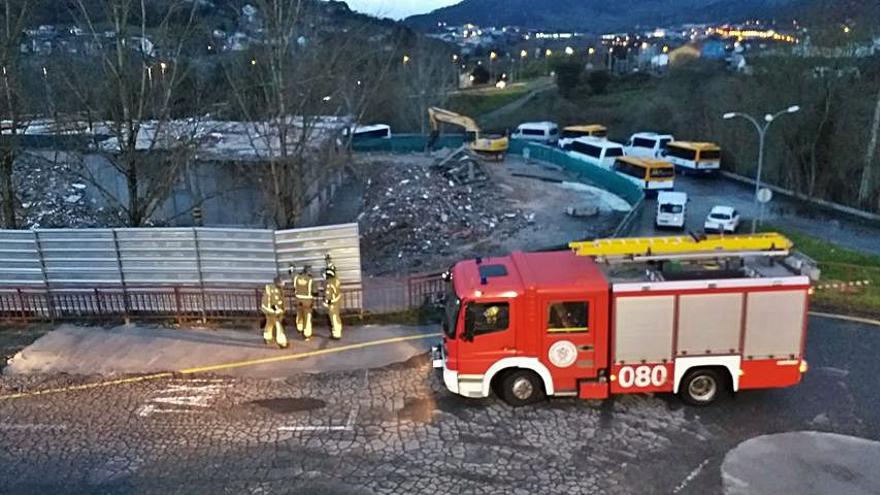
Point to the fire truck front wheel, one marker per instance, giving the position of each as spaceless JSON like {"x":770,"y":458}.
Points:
{"x":521,"y":387}
{"x":702,"y":387}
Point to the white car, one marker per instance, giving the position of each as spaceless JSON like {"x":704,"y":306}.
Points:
{"x":722,"y":219}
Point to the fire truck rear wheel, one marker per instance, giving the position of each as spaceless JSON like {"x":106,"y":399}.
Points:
{"x":701,"y":387}
{"x":521,"y":387}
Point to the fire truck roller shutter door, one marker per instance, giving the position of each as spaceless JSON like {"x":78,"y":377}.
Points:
{"x":685,"y":364}
{"x":643,"y":329}
{"x":518,"y":362}
{"x":709,"y":324}
{"x":771,"y":333}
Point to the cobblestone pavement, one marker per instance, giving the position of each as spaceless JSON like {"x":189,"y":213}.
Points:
{"x":397,"y":430}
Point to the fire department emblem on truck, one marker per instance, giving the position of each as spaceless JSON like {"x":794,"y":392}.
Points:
{"x":562,"y":354}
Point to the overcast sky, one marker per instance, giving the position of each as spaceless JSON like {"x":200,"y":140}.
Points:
{"x":398,"y":9}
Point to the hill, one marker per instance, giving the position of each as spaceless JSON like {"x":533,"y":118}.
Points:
{"x":596,"y":15}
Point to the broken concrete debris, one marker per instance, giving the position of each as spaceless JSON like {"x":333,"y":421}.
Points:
{"x":412,"y":212}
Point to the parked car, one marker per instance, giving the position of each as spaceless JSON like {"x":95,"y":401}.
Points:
{"x":724,"y":219}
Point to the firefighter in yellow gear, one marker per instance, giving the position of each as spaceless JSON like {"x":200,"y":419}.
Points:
{"x":273,"y":308}
{"x":333,"y":300}
{"x":303,"y":286}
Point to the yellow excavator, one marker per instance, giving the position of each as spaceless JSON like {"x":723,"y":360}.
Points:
{"x":491,"y":147}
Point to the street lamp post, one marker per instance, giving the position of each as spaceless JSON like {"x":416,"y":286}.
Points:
{"x":762,"y":136}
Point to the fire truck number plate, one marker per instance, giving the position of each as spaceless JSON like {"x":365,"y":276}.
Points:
{"x":642,"y":376}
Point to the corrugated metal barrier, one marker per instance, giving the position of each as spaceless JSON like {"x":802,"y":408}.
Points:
{"x":73,"y":273}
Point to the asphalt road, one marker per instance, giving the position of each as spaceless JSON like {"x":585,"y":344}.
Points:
{"x":706,"y":192}
{"x":396,"y":430}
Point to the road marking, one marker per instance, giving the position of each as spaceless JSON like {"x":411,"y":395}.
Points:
{"x":32,"y":427}
{"x":321,"y":352}
{"x":87,"y":386}
{"x":199,"y":397}
{"x":349,"y":425}
{"x":690,"y":477}
{"x":218,"y":367}
{"x":853,"y":319}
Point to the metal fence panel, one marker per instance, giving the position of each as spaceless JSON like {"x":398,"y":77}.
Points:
{"x":20,"y":262}
{"x":73,"y":256}
{"x":233,"y":257}
{"x":301,"y":247}
{"x":158,"y":256}
{"x":165,"y":271}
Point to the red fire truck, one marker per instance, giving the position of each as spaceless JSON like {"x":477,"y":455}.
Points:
{"x":695,"y":316}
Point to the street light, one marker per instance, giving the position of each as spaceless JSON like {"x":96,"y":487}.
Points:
{"x":762,"y":135}
{"x":569,"y":51}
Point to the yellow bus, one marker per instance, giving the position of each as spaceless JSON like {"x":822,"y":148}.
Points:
{"x":699,"y":157}
{"x":571,"y":133}
{"x":650,"y":174}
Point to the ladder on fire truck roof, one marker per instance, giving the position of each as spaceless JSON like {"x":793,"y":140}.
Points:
{"x":684,"y":247}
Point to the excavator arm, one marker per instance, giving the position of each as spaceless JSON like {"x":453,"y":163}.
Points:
{"x":437,"y":116}
{"x":492,"y":146}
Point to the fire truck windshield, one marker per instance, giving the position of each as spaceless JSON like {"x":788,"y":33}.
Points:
{"x":453,"y":305}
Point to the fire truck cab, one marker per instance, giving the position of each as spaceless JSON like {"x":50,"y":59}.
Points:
{"x":696,"y":317}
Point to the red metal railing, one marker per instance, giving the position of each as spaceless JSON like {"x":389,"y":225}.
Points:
{"x":182,"y":303}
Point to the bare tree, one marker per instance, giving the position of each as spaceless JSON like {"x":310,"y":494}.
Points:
{"x":425,"y":79}
{"x":283,"y":90}
{"x":15,"y":17}
{"x":132,"y":76}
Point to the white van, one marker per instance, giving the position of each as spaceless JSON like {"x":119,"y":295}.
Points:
{"x":598,"y":151}
{"x":671,"y":210}
{"x":365,"y":132}
{"x":541,"y":132}
{"x":647,"y":144}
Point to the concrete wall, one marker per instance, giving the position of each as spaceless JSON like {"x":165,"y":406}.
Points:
{"x":230,"y":194}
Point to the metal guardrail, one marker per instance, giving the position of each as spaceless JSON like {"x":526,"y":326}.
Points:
{"x":625,"y":228}
{"x":184,"y":303}
{"x":180,"y":303}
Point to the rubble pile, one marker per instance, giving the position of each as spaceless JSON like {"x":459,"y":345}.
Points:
{"x":50,"y":195}
{"x":413,"y":212}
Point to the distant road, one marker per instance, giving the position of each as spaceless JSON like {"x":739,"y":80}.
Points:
{"x":706,"y":192}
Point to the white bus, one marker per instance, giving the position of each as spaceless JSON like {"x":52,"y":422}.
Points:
{"x":647,"y":144}
{"x":541,"y":132}
{"x":365,"y":132}
{"x":597,"y":151}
